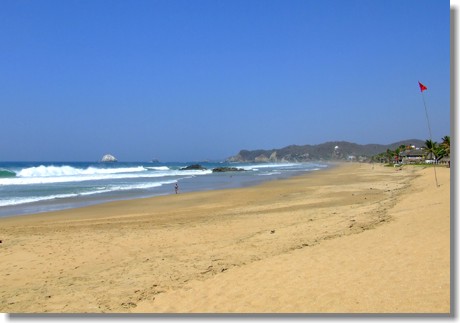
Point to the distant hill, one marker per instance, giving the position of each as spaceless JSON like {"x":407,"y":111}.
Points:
{"x":328,"y":151}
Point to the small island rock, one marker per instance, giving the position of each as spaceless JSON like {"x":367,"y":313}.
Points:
{"x":108,"y":159}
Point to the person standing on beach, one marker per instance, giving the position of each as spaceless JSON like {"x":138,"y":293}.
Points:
{"x":176,"y":188}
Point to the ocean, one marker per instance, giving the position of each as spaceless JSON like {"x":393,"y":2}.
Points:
{"x":34,"y":187}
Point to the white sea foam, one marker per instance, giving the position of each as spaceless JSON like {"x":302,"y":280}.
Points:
{"x":54,"y":171}
{"x":32,"y":199}
{"x":139,"y":186}
{"x":258,"y":166}
{"x":158,"y":168}
{"x":97,"y":190}
{"x":269,"y":174}
{"x":65,"y":174}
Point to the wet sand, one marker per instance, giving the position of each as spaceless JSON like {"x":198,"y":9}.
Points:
{"x":356,"y":238}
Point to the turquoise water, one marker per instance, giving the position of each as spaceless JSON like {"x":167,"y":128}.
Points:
{"x":33,"y":187}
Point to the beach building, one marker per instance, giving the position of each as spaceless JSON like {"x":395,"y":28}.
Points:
{"x":412,"y":156}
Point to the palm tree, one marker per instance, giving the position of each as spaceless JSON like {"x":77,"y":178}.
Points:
{"x":432,"y":148}
{"x":446,"y":145}
{"x":397,"y":152}
{"x":390,"y":155}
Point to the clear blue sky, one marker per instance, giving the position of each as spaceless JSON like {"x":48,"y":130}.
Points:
{"x":194,"y":80}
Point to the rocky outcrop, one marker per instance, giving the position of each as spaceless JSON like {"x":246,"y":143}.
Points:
{"x":227,"y":169}
{"x":108,"y":158}
{"x":194,"y":167}
{"x":261,"y":159}
{"x":236,"y":159}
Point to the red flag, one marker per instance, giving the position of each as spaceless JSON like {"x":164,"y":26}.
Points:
{"x":422,"y":87}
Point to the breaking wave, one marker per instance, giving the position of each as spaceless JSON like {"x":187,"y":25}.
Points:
{"x":6,"y":173}
{"x":53,"y":171}
{"x":64,"y":174}
{"x":158,"y":168}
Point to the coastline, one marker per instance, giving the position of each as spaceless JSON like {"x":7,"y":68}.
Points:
{"x":67,"y":185}
{"x":273,"y":248}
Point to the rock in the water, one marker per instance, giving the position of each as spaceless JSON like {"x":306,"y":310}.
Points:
{"x":227,"y":169}
{"x":194,"y":167}
{"x":108,"y":159}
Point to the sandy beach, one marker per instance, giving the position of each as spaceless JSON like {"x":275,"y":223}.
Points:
{"x":356,"y":238}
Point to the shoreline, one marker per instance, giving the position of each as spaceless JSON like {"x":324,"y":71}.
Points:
{"x":243,"y":185}
{"x":188,"y":183}
{"x":177,"y":253}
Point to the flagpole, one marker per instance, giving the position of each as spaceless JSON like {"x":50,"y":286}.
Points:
{"x":427,"y":119}
{"x":431,"y":136}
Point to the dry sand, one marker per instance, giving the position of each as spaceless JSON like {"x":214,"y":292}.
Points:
{"x":353,"y":239}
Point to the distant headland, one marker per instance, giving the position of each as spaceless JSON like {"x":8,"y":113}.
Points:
{"x":329,"y":151}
